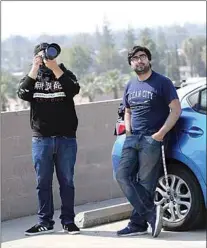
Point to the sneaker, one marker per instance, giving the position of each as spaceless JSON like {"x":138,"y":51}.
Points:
{"x":71,"y":228}
{"x":156,"y":223}
{"x":38,"y":229}
{"x":129,"y":231}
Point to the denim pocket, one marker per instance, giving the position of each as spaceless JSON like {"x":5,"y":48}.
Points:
{"x":129,"y":136}
{"x":156,"y":141}
{"x":130,"y":141}
{"x":151,"y":141}
{"x":68,"y":141}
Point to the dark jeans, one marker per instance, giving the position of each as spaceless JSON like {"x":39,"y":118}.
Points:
{"x":137,"y":176}
{"x":47,"y":153}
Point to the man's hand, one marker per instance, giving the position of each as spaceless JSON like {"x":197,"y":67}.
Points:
{"x":52,"y":65}
{"x":37,"y":61}
{"x":128,"y":133}
{"x":170,"y":122}
{"x":158,"y":136}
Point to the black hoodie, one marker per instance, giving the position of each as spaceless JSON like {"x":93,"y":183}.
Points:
{"x":52,"y":111}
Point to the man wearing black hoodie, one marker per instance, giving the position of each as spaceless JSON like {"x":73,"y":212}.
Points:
{"x":50,"y":89}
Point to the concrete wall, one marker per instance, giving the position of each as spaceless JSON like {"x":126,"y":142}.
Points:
{"x":93,"y":174}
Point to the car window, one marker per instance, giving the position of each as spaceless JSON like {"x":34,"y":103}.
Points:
{"x":193,"y":100}
{"x":203,"y":100}
{"x":197,"y":101}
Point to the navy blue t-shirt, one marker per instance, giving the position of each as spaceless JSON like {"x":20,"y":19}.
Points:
{"x":148,"y":101}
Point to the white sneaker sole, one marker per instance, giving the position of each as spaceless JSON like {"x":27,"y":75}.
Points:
{"x":158,"y":223}
{"x":71,"y":233}
{"x":132,"y":234}
{"x":39,"y":233}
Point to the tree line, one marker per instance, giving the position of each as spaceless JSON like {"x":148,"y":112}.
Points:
{"x":100,"y":60}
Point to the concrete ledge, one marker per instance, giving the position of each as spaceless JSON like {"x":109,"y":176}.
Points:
{"x":103,"y":215}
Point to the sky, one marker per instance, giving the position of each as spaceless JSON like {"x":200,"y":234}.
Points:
{"x":33,"y":18}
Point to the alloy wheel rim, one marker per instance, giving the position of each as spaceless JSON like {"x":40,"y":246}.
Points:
{"x":177,"y":202}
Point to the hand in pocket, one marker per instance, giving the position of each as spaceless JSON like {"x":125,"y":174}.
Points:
{"x":158,"y":137}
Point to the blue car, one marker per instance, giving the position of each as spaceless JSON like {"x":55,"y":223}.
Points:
{"x":185,"y":159}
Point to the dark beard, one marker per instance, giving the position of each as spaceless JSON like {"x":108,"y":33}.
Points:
{"x":142,"y":71}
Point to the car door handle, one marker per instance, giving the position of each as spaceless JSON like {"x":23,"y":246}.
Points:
{"x":193,"y":131}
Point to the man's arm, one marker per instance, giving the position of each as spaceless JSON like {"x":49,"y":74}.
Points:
{"x":26,"y":87}
{"x":171,"y":120}
{"x":70,"y":86}
{"x":127,"y":120}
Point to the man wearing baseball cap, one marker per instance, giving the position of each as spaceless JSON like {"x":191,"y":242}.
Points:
{"x":50,"y":88}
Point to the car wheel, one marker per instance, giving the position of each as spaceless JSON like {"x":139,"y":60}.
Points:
{"x":184,"y":204}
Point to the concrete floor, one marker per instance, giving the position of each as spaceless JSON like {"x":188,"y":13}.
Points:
{"x":103,"y":236}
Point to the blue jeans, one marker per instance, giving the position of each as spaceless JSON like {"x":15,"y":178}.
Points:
{"x":59,"y":153}
{"x":137,"y":176}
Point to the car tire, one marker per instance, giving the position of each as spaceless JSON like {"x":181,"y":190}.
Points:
{"x":195,"y":216}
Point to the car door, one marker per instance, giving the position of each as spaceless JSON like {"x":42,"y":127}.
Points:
{"x":192,"y":130}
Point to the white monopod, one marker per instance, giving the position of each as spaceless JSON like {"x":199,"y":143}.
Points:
{"x":165,"y":168}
